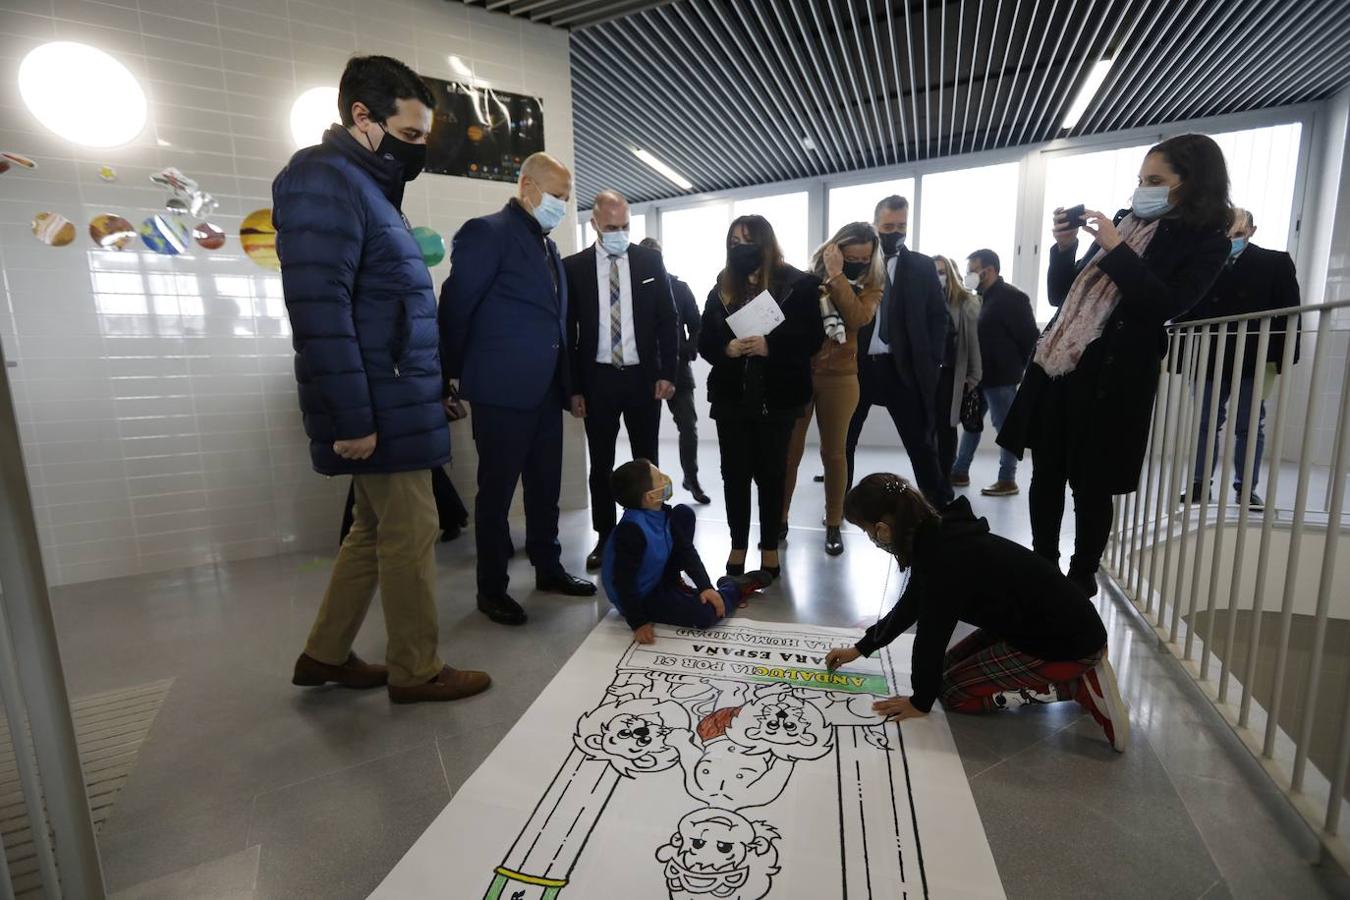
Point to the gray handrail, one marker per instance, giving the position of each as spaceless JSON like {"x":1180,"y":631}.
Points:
{"x":27,"y":609}
{"x":1264,"y":314}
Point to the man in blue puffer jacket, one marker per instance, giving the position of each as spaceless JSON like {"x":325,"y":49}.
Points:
{"x":363,"y":322}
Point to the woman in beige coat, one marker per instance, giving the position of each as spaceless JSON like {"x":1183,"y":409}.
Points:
{"x":853,"y":276}
{"x":960,"y":363}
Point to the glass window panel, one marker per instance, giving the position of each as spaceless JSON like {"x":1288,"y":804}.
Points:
{"x":788,"y":215}
{"x":1262,"y":163}
{"x":857,"y":202}
{"x":1103,"y":180}
{"x":637,"y":227}
{"x":965,"y":210}
{"x":693,"y":242}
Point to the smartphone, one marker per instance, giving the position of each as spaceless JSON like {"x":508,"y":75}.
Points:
{"x":1073,"y":216}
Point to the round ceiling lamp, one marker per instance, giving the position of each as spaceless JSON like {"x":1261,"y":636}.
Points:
{"x":312,"y":113}
{"x":82,"y":94}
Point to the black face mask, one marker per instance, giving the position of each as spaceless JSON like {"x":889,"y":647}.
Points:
{"x":412,"y":157}
{"x":744,"y":258}
{"x":891,"y":242}
{"x":854,"y":270}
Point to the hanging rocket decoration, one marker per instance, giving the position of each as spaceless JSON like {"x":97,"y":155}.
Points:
{"x":188,"y":197}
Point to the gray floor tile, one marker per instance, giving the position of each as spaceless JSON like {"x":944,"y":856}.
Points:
{"x":1072,"y":818}
{"x":335,"y":836}
{"x":230,"y":878}
{"x":131,"y":857}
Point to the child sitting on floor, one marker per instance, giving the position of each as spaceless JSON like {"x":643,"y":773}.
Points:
{"x":650,"y":548}
{"x":1037,"y":637}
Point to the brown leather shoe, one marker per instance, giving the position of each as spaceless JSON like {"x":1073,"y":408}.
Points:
{"x":451,"y":684}
{"x":1000,"y":489}
{"x":354,"y":673}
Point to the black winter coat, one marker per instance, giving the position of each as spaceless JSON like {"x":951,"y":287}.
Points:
{"x":1110,"y":394}
{"x":963,"y":573}
{"x":1259,"y":280}
{"x":1008,"y":334}
{"x":777,"y":385}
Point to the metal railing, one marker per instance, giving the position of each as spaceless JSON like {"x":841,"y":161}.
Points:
{"x":62,"y":861}
{"x":1183,"y":559}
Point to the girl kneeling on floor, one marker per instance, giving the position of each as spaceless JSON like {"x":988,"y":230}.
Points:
{"x":1037,"y":638}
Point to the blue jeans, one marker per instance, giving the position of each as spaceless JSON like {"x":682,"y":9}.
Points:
{"x":1000,"y":401}
{"x":1239,"y":431}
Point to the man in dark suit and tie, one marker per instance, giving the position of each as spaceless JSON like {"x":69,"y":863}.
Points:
{"x":503,"y":323}
{"x":622,"y":338}
{"x":903,"y":348}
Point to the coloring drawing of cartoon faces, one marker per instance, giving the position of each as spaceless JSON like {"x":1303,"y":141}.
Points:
{"x":633,"y":735}
{"x":783,"y":724}
{"x":720,"y":854}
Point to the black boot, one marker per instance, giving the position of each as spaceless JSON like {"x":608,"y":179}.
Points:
{"x":692,"y":486}
{"x":834,"y":540}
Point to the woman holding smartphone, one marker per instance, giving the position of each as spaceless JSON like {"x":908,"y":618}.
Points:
{"x":759,"y":385}
{"x":853,"y":275}
{"x":1086,"y":403}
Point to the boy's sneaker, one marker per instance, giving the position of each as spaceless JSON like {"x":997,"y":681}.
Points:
{"x":1099,"y":694}
{"x":744,"y":586}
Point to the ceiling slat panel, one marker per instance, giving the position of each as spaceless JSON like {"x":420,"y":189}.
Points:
{"x":734,"y":93}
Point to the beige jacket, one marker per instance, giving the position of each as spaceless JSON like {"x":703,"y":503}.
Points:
{"x":856,"y":310}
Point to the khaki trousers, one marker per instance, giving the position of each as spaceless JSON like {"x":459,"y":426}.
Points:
{"x":836,"y":398}
{"x":391,"y":544}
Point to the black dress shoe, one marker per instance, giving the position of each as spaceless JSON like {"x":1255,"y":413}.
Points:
{"x":819,"y":479}
{"x":597,"y":557}
{"x":451,"y":533}
{"x":501,"y":609}
{"x":692,"y":486}
{"x":1085,"y":582}
{"x":834,"y":541}
{"x":561,"y":582}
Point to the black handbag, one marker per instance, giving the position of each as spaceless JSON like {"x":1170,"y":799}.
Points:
{"x":973,"y":408}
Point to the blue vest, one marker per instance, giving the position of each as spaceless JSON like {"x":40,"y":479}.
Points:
{"x":655,"y":525}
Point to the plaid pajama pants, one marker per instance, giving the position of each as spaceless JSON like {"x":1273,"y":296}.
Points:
{"x":983,"y":666}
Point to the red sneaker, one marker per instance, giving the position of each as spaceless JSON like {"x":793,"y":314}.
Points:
{"x":1099,"y":694}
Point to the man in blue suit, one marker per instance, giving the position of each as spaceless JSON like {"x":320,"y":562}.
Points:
{"x":363,"y":321}
{"x":503,"y":323}
{"x":901,"y":350}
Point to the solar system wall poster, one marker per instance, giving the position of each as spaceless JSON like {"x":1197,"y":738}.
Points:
{"x":482,"y":133}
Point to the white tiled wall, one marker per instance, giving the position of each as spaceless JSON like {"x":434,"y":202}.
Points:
{"x":155,"y":394}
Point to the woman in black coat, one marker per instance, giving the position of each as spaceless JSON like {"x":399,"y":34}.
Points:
{"x":1086,"y":403}
{"x":759,"y":386}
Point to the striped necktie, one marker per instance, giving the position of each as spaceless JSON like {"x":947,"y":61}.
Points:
{"x":615,"y":313}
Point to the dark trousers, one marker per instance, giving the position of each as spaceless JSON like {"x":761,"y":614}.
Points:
{"x":1055,"y":464}
{"x":523,"y":446}
{"x":613,"y":394}
{"x":753,"y":450}
{"x":449,"y":508}
{"x":686,"y":421}
{"x":679,"y":605}
{"x":945,"y":431}
{"x":880,"y":385}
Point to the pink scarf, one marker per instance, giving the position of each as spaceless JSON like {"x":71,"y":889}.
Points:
{"x":1092,"y":299}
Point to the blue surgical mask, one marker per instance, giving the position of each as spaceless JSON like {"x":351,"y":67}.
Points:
{"x":1239,"y":244}
{"x":615,"y":243}
{"x":549,"y":212}
{"x":1150,"y":201}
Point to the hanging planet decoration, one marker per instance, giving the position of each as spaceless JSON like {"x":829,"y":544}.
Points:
{"x":53,"y":229}
{"x":112,"y":232}
{"x":259,"y":239}
{"x":208,"y":236}
{"x":164,"y":234}
{"x":107,"y":173}
{"x":431,"y":245}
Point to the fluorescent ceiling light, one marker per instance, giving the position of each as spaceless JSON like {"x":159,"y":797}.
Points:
{"x":684,"y":183}
{"x":1086,"y":93}
{"x":312,"y":113}
{"x":82,"y":94}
